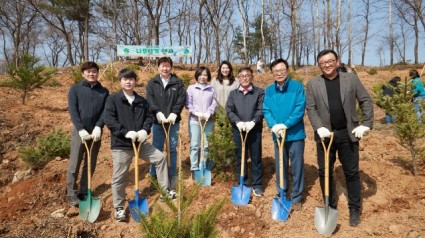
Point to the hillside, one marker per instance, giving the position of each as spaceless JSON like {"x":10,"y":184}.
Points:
{"x":393,"y":199}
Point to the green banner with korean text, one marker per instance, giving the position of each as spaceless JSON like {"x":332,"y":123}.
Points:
{"x":135,"y":51}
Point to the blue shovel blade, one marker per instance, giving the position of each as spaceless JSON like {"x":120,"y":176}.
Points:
{"x":281,"y":208}
{"x":138,"y":207}
{"x":203,"y":175}
{"x":241,"y":194}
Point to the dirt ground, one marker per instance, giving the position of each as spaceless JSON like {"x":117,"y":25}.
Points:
{"x":393,"y":199}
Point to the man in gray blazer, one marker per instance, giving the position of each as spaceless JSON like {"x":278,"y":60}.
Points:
{"x":331,"y":107}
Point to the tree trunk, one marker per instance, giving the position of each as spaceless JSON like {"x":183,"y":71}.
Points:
{"x":390,"y":20}
{"x":416,"y":30}
{"x":201,"y":20}
{"x":313,"y":36}
{"x":263,"y":42}
{"x":338,"y":30}
{"x":349,"y":32}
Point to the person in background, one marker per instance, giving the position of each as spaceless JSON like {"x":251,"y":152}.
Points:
{"x":166,"y":96}
{"x":86,"y":101}
{"x":128,"y":118}
{"x":201,"y":103}
{"x":224,"y":82}
{"x":331,"y":107}
{"x":388,"y":90}
{"x":244,"y":108}
{"x":290,"y":93}
{"x":260,"y":66}
{"x":418,"y":92}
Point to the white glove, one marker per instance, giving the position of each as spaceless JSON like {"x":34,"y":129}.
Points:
{"x":160,"y":117}
{"x":141,"y":136}
{"x":206,"y":116}
{"x":131,"y":135}
{"x":323,"y":132}
{"x":276,"y":129}
{"x":84,"y":135}
{"x":241,"y":126}
{"x":172,"y":118}
{"x":198,"y":114}
{"x":360,"y":130}
{"x":96,"y":133}
{"x":249,"y":125}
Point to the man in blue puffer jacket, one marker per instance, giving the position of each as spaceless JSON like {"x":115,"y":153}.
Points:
{"x":283,"y":108}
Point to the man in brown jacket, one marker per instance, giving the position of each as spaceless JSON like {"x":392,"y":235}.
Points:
{"x":331,"y":107}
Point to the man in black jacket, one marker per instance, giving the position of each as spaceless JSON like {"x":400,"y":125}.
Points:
{"x":86,"y":101}
{"x":388,"y":90}
{"x":166,"y":96}
{"x":128,"y":117}
{"x":244,"y":108}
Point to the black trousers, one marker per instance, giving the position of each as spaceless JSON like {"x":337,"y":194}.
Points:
{"x":348,"y":154}
{"x":253,"y":145}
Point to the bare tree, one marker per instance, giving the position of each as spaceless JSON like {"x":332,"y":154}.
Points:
{"x":17,"y":22}
{"x":417,"y":6}
{"x":243,"y":9}
{"x":390,"y":20}
{"x":367,"y":19}
{"x":349,"y":32}
{"x":219,"y":11}
{"x":154,"y":9}
{"x":201,"y":20}
{"x":405,"y":13}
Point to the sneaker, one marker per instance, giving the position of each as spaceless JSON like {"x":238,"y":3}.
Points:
{"x":193,"y":175}
{"x":297,"y":206}
{"x":354,"y":217}
{"x":171,"y":195}
{"x":257,"y":192}
{"x":73,"y":201}
{"x":120,"y":214}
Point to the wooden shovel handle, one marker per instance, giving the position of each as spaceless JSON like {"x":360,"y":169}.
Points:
{"x":136,"y":163}
{"x":327,"y":151}
{"x":202,"y":127}
{"x":167,"y":142}
{"x":280,"y":144}
{"x":88,"y":151}
{"x":243,"y":141}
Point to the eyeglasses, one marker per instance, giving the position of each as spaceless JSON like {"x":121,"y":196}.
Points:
{"x":329,"y":62}
{"x":246,"y":76}
{"x":280,"y":71}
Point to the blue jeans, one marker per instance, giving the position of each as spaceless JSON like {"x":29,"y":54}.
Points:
{"x":158,"y":138}
{"x":295,"y":151}
{"x":388,"y":118}
{"x":418,"y":108}
{"x":195,"y":141}
{"x":253,"y":145}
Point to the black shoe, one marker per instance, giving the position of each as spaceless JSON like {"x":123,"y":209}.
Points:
{"x":82,"y":197}
{"x":354,"y":217}
{"x":152,"y":187}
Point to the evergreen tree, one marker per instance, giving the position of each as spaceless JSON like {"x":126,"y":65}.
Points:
{"x":27,"y":76}
{"x":221,"y":148}
{"x":409,"y":131}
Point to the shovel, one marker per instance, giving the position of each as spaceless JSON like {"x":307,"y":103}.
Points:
{"x":139,"y":206}
{"x":203,"y":175}
{"x":167,"y":142}
{"x":241,"y":193}
{"x":325,"y":218}
{"x":281,"y":206}
{"x":89,"y":208}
